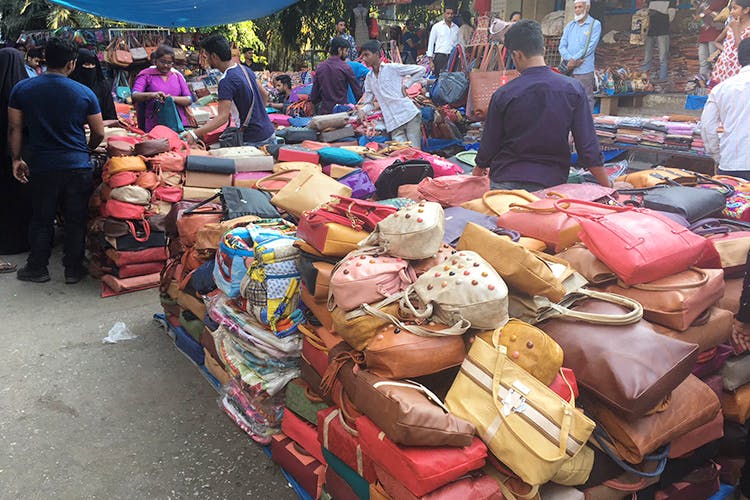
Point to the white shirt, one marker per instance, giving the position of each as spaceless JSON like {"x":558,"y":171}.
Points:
{"x":729,"y":104}
{"x":442,"y":39}
{"x":388,"y":88}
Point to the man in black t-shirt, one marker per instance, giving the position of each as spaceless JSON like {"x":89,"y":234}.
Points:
{"x":660,"y":13}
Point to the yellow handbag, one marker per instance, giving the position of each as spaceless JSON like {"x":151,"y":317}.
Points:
{"x":523,"y":422}
{"x":124,"y":164}
{"x":656,"y":176}
{"x":522,"y":269}
{"x":358,"y":327}
{"x":308,"y":190}
{"x":532,"y":349}
{"x":498,"y":202}
{"x":284,"y":166}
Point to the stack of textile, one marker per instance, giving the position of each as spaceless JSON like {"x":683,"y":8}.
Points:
{"x":679,"y":136}
{"x":652,"y":132}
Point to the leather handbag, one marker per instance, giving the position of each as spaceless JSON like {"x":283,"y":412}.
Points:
{"x":658,"y":176}
{"x":712,"y":328}
{"x":209,"y":164}
{"x":119,"y":148}
{"x":698,"y":437}
{"x":408,"y":413}
{"x":301,"y":465}
{"x":359,"y":214}
{"x":342,"y":441}
{"x":123,"y":210}
{"x":123,"y":179}
{"x":413,"y":232}
{"x":736,"y":405}
{"x":131,"y":194}
{"x":169,"y":161}
{"x":498,"y":201}
{"x":623,"y":238}
{"x":124,"y":164}
{"x":692,"y":404}
{"x":188,"y":219}
{"x":178,"y":179}
{"x":308,"y":190}
{"x":171,"y":194}
{"x":525,"y":425}
{"x":420,"y":469}
{"x":400,"y":173}
{"x":483,"y":82}
{"x":359,"y":327}
{"x":523,"y":270}
{"x":401,"y":354}
{"x":319,"y":229}
{"x":728,"y":244}
{"x":323,"y":122}
{"x":635,"y":385}
{"x":360,"y":184}
{"x":584,"y":262}
{"x":692,"y":203}
{"x":678,"y":300}
{"x":147,"y":180}
{"x":453,"y":190}
{"x":586,"y":191}
{"x":542,"y":220}
{"x":303,"y":433}
{"x":137,"y":51}
{"x":363,"y":279}
{"x":532,"y":349}
{"x":736,"y":372}
{"x":151,"y":147}
{"x":464,"y":292}
{"x":476,"y":485}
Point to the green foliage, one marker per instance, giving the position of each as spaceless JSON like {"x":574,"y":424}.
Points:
{"x":242,"y":34}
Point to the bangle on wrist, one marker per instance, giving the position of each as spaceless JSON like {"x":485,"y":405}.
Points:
{"x":194,"y":135}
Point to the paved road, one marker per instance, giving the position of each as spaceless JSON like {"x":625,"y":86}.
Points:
{"x":80,"y":419}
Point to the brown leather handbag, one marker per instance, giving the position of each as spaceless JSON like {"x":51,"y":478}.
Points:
{"x":152,"y":147}
{"x":692,"y":405}
{"x":712,"y":328}
{"x":397,"y":353}
{"x":628,"y":366}
{"x":407,"y":412}
{"x":736,"y":404}
{"x":582,"y":260}
{"x":357,"y":327}
{"x":678,"y":300}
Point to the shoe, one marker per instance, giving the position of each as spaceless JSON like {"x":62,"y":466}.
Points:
{"x":40,"y":275}
{"x":73,"y":276}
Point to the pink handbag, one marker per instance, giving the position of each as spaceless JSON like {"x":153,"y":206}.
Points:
{"x":586,"y":191}
{"x":440,"y":165}
{"x":373,"y":168}
{"x":452,"y":190}
{"x":638,"y":244}
{"x":146,"y":180}
{"x":542,"y":221}
{"x":170,"y":194}
{"x":168,"y":162}
{"x":365,"y":279}
{"x":123,"y":210}
{"x":122,"y":179}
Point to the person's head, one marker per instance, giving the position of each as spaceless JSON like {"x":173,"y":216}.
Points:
{"x":88,"y":69}
{"x":465,"y":18}
{"x":12,"y":71}
{"x":216,"y":51}
{"x":340,"y":26}
{"x":248,"y":52}
{"x":448,"y":14}
{"x":370,"y":53}
{"x":283,"y":84}
{"x":525,"y":42}
{"x":740,"y":9}
{"x":581,"y":9}
{"x":339,"y":47}
{"x":515,"y":16}
{"x":61,"y":55}
{"x":409,"y":25}
{"x":163,"y":58}
{"x":743,"y":52}
{"x":34,"y":57}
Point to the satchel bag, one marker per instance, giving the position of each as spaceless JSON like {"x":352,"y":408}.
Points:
{"x":678,"y":300}
{"x":635,"y":385}
{"x":624,"y":240}
{"x":528,"y":427}
{"x":331,"y":121}
{"x":131,"y":194}
{"x":712,"y":328}
{"x":452,"y":190}
{"x":360,"y":184}
{"x":118,"y":164}
{"x":543,"y":221}
{"x":499,"y":201}
{"x":413,"y":232}
{"x":168,"y":162}
{"x":118,"y":53}
{"x":586,"y":263}
{"x":119,"y":148}
{"x":123,"y":179}
{"x":151,"y":147}
{"x":483,"y":82}
{"x":308,"y":190}
{"x":692,"y":404}
{"x":362,"y":279}
{"x":692,"y":203}
{"x":359,"y":214}
{"x":320,"y":229}
{"x":137,"y":51}
{"x":452,"y":85}
{"x":532,"y":349}
{"x":235,"y":136}
{"x":400,"y":173}
{"x":522,"y":269}
{"x":123,"y":210}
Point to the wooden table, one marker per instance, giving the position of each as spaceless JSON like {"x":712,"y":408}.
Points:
{"x":610,"y":103}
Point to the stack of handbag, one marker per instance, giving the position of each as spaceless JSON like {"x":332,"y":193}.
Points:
{"x":335,"y":127}
{"x":127,"y":240}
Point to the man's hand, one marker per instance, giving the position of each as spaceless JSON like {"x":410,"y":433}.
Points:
{"x":479,"y":171}
{"x":21,"y":171}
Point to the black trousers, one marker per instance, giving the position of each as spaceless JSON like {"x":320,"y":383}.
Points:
{"x":439,"y":61}
{"x":71,"y":190}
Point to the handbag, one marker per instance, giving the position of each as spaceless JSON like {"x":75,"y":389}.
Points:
{"x":359,"y":326}
{"x":633,"y":385}
{"x":328,"y":236}
{"x":452,"y":190}
{"x":624,"y":240}
{"x":148,"y":180}
{"x":119,"y":148}
{"x":360,"y":184}
{"x":151,"y":147}
{"x":524,"y":271}
{"x":235,"y":136}
{"x":532,"y":349}
{"x":413,"y":232}
{"x":122,"y":88}
{"x":678,"y":300}
{"x":331,"y":121}
{"x":728,"y":244}
{"x":118,"y":164}
{"x":543,"y":221}
{"x":563,"y":66}
{"x":736,"y":405}
{"x":119,"y":53}
{"x":586,"y":263}
{"x":586,"y":191}
{"x":342,"y":441}
{"x":657,"y":176}
{"x":167,"y":115}
{"x":131,"y":194}
{"x":123,"y":179}
{"x":499,"y":201}
{"x":123,"y":210}
{"x":483,"y":82}
{"x":308,"y":190}
{"x":528,"y":427}
{"x":168,"y":162}
{"x":400,"y":173}
{"x":171,"y":194}
{"x":137,"y":52}
{"x":692,"y":203}
{"x":712,"y":328}
{"x":451,"y":86}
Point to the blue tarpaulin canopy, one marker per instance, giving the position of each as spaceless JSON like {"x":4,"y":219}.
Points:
{"x":178,"y":13}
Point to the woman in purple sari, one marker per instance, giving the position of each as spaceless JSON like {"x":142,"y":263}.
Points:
{"x":156,"y":83}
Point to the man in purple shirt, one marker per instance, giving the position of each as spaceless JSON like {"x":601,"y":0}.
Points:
{"x":525,"y":142}
{"x":333,"y":77}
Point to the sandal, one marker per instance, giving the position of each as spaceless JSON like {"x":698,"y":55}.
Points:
{"x":7,"y":267}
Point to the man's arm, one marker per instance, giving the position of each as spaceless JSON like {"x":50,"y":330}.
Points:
{"x":96,"y":130}
{"x":354,"y":84}
{"x":563,"y":49}
{"x":710,"y":120}
{"x":222,"y":116}
{"x":586,"y":141}
{"x":15,"y":141}
{"x":315,"y":96}
{"x":431,"y":42}
{"x":413,"y":71}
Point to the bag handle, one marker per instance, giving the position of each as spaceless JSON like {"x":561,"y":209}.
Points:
{"x":604,"y":442}
{"x":146,"y":230}
{"x":246,"y":122}
{"x":374,"y":310}
{"x":410,"y":384}
{"x":313,"y":338}
{"x":564,"y":205}
{"x":202,"y":203}
{"x":277,"y":176}
{"x":702,"y":280}
{"x":525,"y":195}
{"x":563,"y":311}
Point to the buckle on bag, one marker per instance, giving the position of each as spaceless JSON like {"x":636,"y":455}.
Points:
{"x":513,"y":402}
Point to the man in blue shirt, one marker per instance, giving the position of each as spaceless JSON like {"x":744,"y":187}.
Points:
{"x":578,"y":45}
{"x":525,"y":142}
{"x":54,"y":109}
{"x":341,"y":32}
{"x":410,"y":40}
{"x":239,"y":97}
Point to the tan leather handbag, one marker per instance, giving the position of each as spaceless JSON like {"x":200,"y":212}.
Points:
{"x":124,"y":164}
{"x":583,"y":261}
{"x":525,"y":424}
{"x":736,"y":405}
{"x":359,"y":327}
{"x":712,"y":328}
{"x":285,"y":166}
{"x":413,"y":232}
{"x":656,"y":176}
{"x":523,"y":270}
{"x":532,"y":349}
{"x":498,"y":201}
{"x":678,"y":300}
{"x":308,"y":190}
{"x":131,"y":194}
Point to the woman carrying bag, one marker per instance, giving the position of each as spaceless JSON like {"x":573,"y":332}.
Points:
{"x":159,"y":88}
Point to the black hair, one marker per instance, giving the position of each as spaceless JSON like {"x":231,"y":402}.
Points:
{"x":338,"y":43}
{"x":35,"y":52}
{"x":514,"y":13}
{"x":284,"y":80}
{"x":743,"y":52}
{"x":248,"y":49}
{"x":370,"y":46}
{"x":525,"y":36}
{"x":219,"y":45}
{"x":465,"y":18}
{"x":341,"y":20}
{"x":60,"y":52}
{"x":163,"y":50}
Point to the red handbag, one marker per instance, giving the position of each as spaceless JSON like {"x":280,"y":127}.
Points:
{"x":420,"y":469}
{"x":542,"y":221}
{"x":122,"y":258}
{"x":562,"y":386}
{"x":475,"y":486}
{"x":638,"y":244}
{"x":146,"y":180}
{"x":452,"y":190}
{"x":168,"y":162}
{"x":170,"y":194}
{"x":342,"y":441}
{"x":302,"y":466}
{"x":122,"y":210}
{"x":123,"y":179}
{"x":359,"y":214}
{"x":302,"y":433}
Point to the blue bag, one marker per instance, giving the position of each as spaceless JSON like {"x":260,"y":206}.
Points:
{"x":167,"y":115}
{"x":340,"y":156}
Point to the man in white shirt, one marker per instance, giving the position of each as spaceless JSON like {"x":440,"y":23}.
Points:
{"x":387,"y":83}
{"x":443,"y":38}
{"x":729,"y":105}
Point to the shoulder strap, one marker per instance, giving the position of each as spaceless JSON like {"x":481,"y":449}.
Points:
{"x":252,"y":95}
{"x":588,"y":39}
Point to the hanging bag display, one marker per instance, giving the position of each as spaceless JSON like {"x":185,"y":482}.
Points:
{"x":122,"y":88}
{"x":137,"y":51}
{"x":484,"y":82}
{"x":452,"y":85}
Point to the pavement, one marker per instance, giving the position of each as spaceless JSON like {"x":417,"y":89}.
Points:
{"x":81,"y":419}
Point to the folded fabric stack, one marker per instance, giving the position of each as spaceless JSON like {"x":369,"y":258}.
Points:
{"x":141,"y":180}
{"x":651,"y":132}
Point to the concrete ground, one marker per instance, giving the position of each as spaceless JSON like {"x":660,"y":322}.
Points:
{"x":81,"y":419}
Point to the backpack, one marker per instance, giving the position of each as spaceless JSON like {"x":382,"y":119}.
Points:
{"x":302,"y":108}
{"x":399,"y":174}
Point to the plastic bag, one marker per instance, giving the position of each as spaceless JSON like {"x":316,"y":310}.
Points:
{"x":118,"y":332}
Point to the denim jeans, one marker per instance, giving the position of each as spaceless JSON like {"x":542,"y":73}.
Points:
{"x":663,"y":43}
{"x":410,"y":131}
{"x":70,"y":189}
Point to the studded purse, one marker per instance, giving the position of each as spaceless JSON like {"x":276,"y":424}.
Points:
{"x":413,"y":232}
